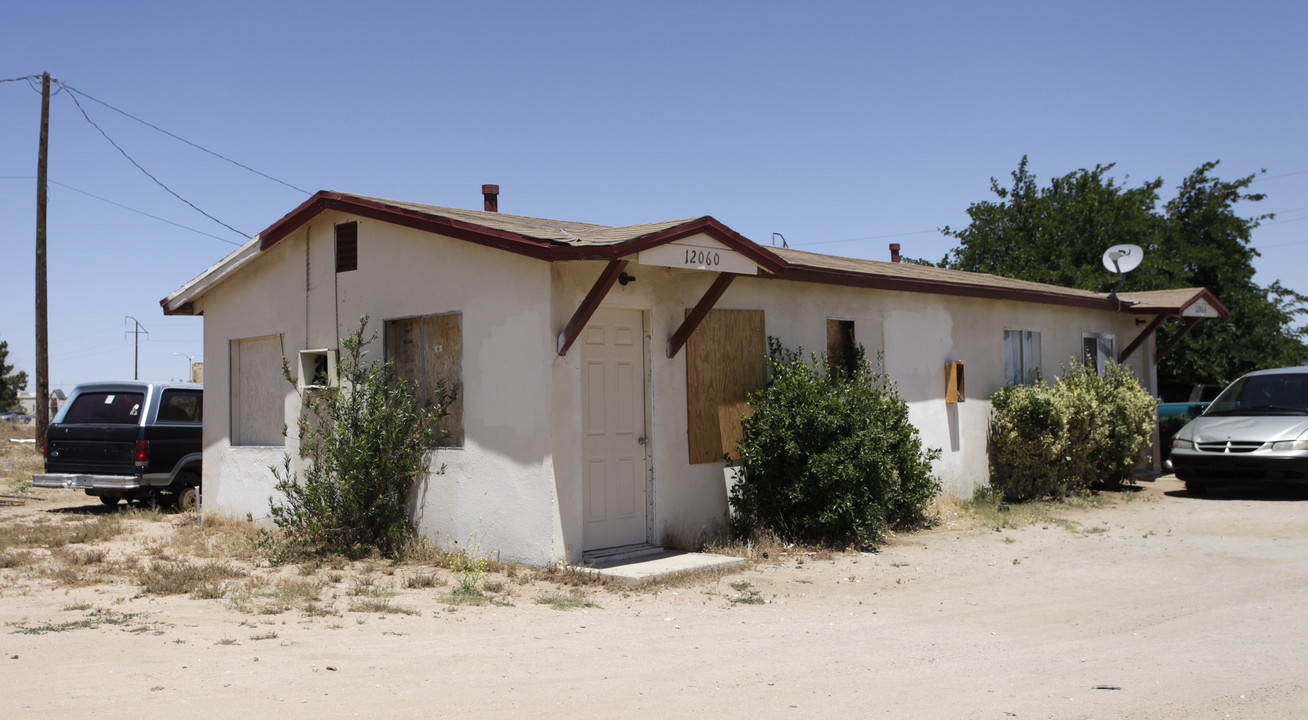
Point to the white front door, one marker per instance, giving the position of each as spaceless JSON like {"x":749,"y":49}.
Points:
{"x":613,"y":429}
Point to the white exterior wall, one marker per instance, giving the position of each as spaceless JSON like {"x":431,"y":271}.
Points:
{"x":498,"y":490}
{"x":516,"y":486}
{"x":918,"y":333}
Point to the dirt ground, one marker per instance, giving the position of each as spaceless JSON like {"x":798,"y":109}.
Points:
{"x":1154,"y":605}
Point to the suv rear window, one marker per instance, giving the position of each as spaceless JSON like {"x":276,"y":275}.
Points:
{"x":106,"y":408}
{"x":181,"y":406}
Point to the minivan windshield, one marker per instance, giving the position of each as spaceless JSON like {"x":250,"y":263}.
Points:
{"x":1277,"y":393}
{"x":105,"y":408}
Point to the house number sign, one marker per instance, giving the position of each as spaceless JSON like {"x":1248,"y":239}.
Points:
{"x":698,"y":252}
{"x":696,"y":257}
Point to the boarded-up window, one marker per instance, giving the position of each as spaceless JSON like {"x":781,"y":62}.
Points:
{"x":258,"y":391}
{"x":347,"y":247}
{"x":429,"y":351}
{"x":726,"y":359}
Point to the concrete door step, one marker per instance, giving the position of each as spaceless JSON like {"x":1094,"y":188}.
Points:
{"x":651,"y":567}
{"x":619,"y":554}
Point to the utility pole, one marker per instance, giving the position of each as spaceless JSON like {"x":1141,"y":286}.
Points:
{"x":42,"y":332}
{"x":136,"y":365}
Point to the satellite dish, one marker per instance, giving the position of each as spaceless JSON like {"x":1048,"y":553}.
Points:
{"x":1123,"y":258}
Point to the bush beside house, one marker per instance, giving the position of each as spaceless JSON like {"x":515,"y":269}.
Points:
{"x":1058,"y":440}
{"x":829,"y":455}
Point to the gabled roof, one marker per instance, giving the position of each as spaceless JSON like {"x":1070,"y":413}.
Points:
{"x":540,"y":238}
{"x":563,"y":240}
{"x":1172,"y":302}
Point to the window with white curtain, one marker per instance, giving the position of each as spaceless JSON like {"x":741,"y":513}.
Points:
{"x":1021,"y":356}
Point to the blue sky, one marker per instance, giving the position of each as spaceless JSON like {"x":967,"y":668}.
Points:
{"x":843,"y":126}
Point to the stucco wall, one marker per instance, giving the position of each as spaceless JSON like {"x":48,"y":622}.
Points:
{"x":498,"y":489}
{"x":918,"y":334}
{"x":515,"y":486}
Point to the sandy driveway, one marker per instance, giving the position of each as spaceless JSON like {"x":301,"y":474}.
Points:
{"x":1184,"y":607}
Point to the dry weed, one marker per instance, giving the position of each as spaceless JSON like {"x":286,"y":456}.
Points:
{"x":183,"y":577}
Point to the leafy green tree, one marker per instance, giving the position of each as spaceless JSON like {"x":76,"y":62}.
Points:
{"x":11,"y":383}
{"x":367,"y":442}
{"x":1057,"y":234}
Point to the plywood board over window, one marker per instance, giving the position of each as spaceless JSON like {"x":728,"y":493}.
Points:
{"x":258,"y":391}
{"x":726,"y":359}
{"x":429,"y":350}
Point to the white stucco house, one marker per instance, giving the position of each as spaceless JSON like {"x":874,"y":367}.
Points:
{"x":603,"y":370}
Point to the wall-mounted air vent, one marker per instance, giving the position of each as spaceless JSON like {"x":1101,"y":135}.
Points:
{"x":317,"y":369}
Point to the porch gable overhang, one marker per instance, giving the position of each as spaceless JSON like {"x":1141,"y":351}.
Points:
{"x":1193,"y":304}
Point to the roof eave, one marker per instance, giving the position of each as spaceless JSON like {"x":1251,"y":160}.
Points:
{"x":181,"y":301}
{"x":942,"y":287}
{"x":406,"y":217}
{"x":707,"y":225}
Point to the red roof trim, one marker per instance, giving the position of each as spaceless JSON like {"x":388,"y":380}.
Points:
{"x":1222,"y":310}
{"x":405,"y":217}
{"x":880,"y":282}
{"x":779,"y":268}
{"x":706,"y":225}
{"x":505,"y":240}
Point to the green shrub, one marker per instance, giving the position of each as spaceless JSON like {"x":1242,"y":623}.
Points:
{"x":829,"y":455}
{"x":1058,"y":440}
{"x":1028,"y":442}
{"x":366,"y":442}
{"x":1110,"y":419}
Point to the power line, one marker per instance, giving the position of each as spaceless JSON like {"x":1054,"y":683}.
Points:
{"x":184,"y":140}
{"x":870,"y":237}
{"x":125,"y":207}
{"x":1278,"y":177}
{"x":146,"y":172}
{"x":146,"y":214}
{"x":17,"y":79}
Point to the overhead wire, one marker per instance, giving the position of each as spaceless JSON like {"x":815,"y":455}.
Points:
{"x":152,"y":126}
{"x":869,"y":237}
{"x":156,"y":180}
{"x":125,"y":207}
{"x":146,"y":214}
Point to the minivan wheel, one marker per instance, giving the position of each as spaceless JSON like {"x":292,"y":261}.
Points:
{"x":1196,"y":488}
{"x":185,"y":499}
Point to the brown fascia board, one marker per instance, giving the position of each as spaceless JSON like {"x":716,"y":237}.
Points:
{"x":707,"y":225}
{"x":374,"y":210}
{"x":1222,"y":310}
{"x":937,"y":287}
{"x":513,"y":242}
{"x":551,"y":252}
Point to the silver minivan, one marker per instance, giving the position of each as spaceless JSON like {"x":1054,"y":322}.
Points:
{"x":1256,"y":431}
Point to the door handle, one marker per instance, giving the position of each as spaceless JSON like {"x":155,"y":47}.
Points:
{"x":641,"y":439}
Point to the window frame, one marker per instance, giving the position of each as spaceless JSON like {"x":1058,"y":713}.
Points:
{"x":237,"y":434}
{"x":1030,"y":343}
{"x":1097,"y":363}
{"x":454,"y":421}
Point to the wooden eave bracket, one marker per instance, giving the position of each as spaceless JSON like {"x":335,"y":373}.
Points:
{"x":590,"y":304}
{"x":1189,"y":325}
{"x":696,"y":316}
{"x":1139,"y":339}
